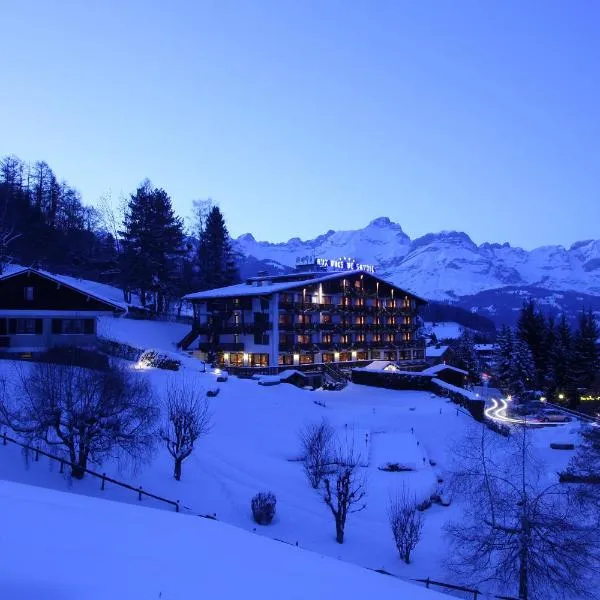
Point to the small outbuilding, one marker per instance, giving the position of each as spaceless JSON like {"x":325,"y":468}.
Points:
{"x":448,"y":373}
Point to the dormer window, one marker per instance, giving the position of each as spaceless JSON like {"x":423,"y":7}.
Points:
{"x":28,"y":293}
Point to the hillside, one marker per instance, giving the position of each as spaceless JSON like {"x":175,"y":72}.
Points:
{"x":60,"y":545}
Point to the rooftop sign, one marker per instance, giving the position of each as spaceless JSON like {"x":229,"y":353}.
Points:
{"x":344,"y":264}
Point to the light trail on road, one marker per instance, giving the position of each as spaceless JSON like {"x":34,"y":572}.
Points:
{"x":497,"y":412}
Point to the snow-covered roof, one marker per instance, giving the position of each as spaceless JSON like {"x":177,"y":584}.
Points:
{"x":268,"y":287}
{"x":380,"y":365}
{"x":485,"y":347}
{"x":89,"y":288}
{"x":435,"y":351}
{"x":442,"y":367}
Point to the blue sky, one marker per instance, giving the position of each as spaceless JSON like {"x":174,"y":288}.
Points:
{"x":303,"y":116}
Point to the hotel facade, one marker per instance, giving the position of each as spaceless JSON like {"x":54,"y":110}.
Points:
{"x":306,"y":317}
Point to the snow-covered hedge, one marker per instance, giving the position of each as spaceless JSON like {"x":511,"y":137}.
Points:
{"x":159,"y":360}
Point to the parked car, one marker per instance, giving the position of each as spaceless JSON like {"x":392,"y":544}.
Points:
{"x":554,"y":416}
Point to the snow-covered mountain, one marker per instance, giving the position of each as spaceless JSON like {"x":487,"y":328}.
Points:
{"x":445,"y":266}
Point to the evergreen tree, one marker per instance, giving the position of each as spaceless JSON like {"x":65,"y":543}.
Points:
{"x":503,"y":358}
{"x":522,"y":369}
{"x":586,"y":356}
{"x":560,"y":376}
{"x":531,"y":329}
{"x":466,"y":358}
{"x":216,"y":260}
{"x":152,"y":242}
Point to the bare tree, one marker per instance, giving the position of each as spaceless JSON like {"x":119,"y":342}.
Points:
{"x":520,"y":531}
{"x":7,"y":235}
{"x":344,"y":488}
{"x":91,"y":414}
{"x":188,"y":418}
{"x":316,"y":446}
{"x":406,"y":522}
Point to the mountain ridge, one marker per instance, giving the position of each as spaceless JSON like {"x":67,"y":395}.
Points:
{"x":445,"y":266}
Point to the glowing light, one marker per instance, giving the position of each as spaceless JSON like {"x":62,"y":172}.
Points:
{"x":561,"y":396}
{"x":543,"y":399}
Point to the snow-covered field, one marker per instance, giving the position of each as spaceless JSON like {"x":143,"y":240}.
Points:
{"x":142,"y":334}
{"x":254,"y":447}
{"x":443,"y":330}
{"x":62,"y":546}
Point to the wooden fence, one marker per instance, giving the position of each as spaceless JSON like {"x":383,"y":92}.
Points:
{"x":459,"y":588}
{"x":101,"y":476}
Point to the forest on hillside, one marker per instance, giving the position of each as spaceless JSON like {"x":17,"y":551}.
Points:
{"x":138,"y":243}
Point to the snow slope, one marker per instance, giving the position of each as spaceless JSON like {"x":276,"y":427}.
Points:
{"x":63,"y":546}
{"x":443,"y":265}
{"x":142,"y":334}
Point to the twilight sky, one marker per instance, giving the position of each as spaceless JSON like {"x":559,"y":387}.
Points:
{"x":303,"y":116}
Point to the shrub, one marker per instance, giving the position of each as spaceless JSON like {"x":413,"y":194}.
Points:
{"x":396,"y":468}
{"x":263,"y":507}
{"x":159,"y":360}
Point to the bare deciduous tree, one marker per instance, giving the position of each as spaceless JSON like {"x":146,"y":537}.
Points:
{"x":344,"y":488}
{"x":91,"y":414}
{"x":406,"y":523}
{"x":316,"y":446}
{"x":188,"y":418}
{"x":520,"y":531}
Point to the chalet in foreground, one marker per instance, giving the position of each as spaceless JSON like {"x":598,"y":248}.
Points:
{"x":39,"y":311}
{"x":306,"y":317}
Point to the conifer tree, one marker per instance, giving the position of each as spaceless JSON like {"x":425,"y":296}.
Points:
{"x":503,"y":358}
{"x":465,"y":356}
{"x":560,"y":376}
{"x":586,"y":356}
{"x":531,"y":329}
{"x":152,"y":244}
{"x":522,"y":369}
{"x":216,"y":260}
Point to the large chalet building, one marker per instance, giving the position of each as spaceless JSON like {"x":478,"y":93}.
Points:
{"x":39,"y":311}
{"x":306,"y":317}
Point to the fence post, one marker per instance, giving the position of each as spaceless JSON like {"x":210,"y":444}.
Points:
{"x":177,"y":506}
{"x":62,"y":465}
{"x":140,"y":493}
{"x":475,"y":594}
{"x":37,"y":454}
{"x":4,"y":439}
{"x":427,"y":583}
{"x":103,"y":480}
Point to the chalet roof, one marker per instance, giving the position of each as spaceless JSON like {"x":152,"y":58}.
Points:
{"x":83,"y":287}
{"x":435,"y":351}
{"x":260,"y":286}
{"x":442,"y":367}
{"x":380,"y":365}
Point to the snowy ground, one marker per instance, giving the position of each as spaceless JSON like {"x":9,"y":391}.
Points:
{"x":254,"y":447}
{"x":78,"y":548}
{"x":142,"y":334}
{"x":444,"y":330}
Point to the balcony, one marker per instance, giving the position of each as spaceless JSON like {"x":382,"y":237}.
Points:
{"x":221,"y":347}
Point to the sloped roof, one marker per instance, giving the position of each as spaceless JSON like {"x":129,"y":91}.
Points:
{"x":69,"y":282}
{"x":442,"y":367}
{"x":435,"y":351}
{"x":266,"y":289}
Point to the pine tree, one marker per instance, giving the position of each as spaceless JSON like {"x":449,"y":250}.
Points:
{"x":522,"y":369}
{"x":503,"y":358}
{"x":586,"y":356}
{"x":560,"y":377}
{"x":216,"y":260}
{"x":531,"y":329}
{"x":152,"y":245}
{"x":465,"y":356}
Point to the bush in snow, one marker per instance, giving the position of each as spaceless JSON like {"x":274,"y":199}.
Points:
{"x":158,"y":360}
{"x":406,"y":521}
{"x":263,"y":507}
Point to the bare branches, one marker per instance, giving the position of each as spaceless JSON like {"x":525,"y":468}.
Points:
{"x":519,"y":531}
{"x":316,"y":445}
{"x":188,"y":418}
{"x":92,"y":414}
{"x":406,"y":523}
{"x":344,"y":488}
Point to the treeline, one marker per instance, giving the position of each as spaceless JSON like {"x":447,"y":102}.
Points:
{"x":141,"y":244}
{"x":548,"y":355}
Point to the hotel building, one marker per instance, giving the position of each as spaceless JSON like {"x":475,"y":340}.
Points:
{"x":306,"y":317}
